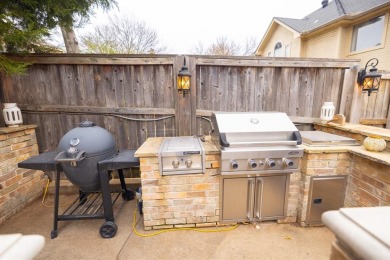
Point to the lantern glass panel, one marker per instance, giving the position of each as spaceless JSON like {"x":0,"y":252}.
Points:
{"x":186,"y":82}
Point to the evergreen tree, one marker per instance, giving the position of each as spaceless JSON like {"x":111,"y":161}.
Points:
{"x":25,"y":23}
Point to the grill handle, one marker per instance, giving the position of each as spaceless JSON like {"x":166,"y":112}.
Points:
{"x":250,"y":198}
{"x":60,"y":157}
{"x":263,"y":143}
{"x":297,"y":137}
{"x":259,"y":198}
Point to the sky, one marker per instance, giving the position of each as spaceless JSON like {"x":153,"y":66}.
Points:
{"x":181,"y":25}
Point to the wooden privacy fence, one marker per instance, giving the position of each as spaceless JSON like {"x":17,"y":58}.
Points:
{"x":135,"y":97}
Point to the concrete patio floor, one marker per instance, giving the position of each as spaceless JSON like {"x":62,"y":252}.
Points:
{"x":81,"y":239}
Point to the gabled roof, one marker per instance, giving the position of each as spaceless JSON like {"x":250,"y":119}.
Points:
{"x":335,"y":10}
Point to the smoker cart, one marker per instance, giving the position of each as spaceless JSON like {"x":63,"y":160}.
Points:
{"x":93,"y":205}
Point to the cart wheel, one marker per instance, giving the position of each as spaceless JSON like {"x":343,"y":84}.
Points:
{"x":127,"y":195}
{"x":108,"y":229}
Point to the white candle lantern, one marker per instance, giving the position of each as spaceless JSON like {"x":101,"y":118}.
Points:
{"x":12,"y":115}
{"x":327,"y":111}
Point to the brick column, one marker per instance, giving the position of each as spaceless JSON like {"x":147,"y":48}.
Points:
{"x":18,"y":187}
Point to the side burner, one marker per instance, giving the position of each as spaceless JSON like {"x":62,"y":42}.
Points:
{"x":181,"y":155}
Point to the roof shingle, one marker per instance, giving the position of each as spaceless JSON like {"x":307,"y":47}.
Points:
{"x":334,"y":10}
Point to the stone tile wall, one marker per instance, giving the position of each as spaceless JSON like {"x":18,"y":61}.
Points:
{"x":368,"y":181}
{"x":180,"y":201}
{"x":293,"y":199}
{"x":317,"y":164}
{"x":18,"y":187}
{"x":369,"y":184}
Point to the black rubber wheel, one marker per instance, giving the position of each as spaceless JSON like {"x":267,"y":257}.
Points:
{"x":127,"y":195}
{"x":108,"y":229}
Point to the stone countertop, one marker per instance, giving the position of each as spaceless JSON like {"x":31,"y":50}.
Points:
{"x":363,"y":231}
{"x":359,"y":129}
{"x":8,"y":130}
{"x":151,"y":147}
{"x":326,"y":149}
{"x":380,"y":157}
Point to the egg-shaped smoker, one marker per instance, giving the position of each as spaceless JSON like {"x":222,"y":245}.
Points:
{"x":79,"y":152}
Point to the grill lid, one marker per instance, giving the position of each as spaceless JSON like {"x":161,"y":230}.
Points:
{"x":184,"y":145}
{"x":88,"y":137}
{"x":242,"y":129}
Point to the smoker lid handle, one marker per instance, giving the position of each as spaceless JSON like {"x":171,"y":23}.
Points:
{"x":223,"y":141}
{"x":297,"y":137}
{"x":61,"y":158}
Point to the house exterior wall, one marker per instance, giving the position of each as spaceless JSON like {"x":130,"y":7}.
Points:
{"x":284,"y":36}
{"x":382,"y":53}
{"x":325,"y":45}
{"x":334,"y":42}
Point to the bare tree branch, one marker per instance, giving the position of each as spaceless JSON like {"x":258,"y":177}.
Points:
{"x":122,"y":35}
{"x":225,"y":47}
{"x":250,"y":46}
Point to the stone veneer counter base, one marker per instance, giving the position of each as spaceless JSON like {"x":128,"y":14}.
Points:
{"x":188,"y":200}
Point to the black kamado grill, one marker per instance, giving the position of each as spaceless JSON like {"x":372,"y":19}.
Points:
{"x":87,"y":155}
{"x":80,"y":150}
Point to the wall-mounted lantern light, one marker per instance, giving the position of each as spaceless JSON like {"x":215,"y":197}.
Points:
{"x":183,"y":80}
{"x":371,"y":80}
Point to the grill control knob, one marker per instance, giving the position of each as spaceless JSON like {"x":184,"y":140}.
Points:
{"x":175,"y":164}
{"x":270,"y":163}
{"x":288,"y":162}
{"x":233,"y":164}
{"x":252,"y":163}
{"x":188,"y":163}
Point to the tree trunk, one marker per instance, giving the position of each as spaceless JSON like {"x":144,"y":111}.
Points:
{"x":70,"y":40}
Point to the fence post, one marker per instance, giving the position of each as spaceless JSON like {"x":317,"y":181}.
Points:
{"x":351,"y":94}
{"x":185,"y":106}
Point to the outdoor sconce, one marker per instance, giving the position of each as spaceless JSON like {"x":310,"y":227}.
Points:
{"x":183,"y":80}
{"x":371,"y":80}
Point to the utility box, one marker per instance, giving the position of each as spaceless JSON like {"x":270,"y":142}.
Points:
{"x":325,"y":193}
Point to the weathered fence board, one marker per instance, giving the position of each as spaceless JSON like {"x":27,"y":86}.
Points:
{"x":128,"y":95}
{"x":295,"y":91}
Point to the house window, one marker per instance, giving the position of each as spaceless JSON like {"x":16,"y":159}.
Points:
{"x":287,"y":50}
{"x":368,"y":34}
{"x":278,"y":50}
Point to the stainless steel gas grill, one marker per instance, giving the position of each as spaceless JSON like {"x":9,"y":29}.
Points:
{"x":258,"y":153}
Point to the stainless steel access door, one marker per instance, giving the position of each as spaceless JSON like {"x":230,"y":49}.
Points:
{"x":272,"y":204}
{"x":325,"y":193}
{"x":253,"y":198}
{"x":237,"y":198}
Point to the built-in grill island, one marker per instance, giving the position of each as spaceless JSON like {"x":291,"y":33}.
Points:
{"x":259,"y":151}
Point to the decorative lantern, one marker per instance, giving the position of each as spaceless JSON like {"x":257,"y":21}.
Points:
{"x":370,"y":81}
{"x":12,"y":115}
{"x":327,"y":111}
{"x":183,"y":80}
